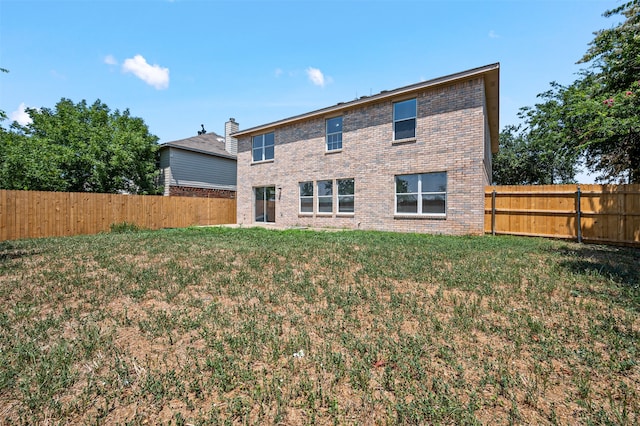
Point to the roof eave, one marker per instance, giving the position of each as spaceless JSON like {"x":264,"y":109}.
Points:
{"x":491,"y":74}
{"x":200,"y":151}
{"x":492,"y":96}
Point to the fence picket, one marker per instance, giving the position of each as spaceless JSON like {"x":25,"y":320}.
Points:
{"x":35,"y":214}
{"x":596,"y":213}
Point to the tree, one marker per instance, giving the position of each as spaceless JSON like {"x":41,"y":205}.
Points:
{"x":615,"y":52}
{"x":30,"y":163}
{"x":79,"y":148}
{"x":611,"y":138}
{"x":607,"y":131}
{"x":597,"y":117}
{"x":524,"y":160}
{"x":3,"y":115}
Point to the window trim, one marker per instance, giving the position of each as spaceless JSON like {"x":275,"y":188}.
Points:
{"x":328,"y":134}
{"x":420,"y":194}
{"x":318,"y":197}
{"x":264,"y":200}
{"x":262,"y":148}
{"x":339,"y":196}
{"x":414,"y":118}
{"x":300,"y":197}
{"x":335,"y":198}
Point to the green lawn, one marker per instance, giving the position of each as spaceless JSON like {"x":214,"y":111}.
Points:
{"x":251,"y":326}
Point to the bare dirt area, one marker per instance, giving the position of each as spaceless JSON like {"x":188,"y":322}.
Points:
{"x":273,"y":327}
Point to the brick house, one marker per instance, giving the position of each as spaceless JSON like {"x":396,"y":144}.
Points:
{"x":201,"y":166}
{"x":413,"y":159}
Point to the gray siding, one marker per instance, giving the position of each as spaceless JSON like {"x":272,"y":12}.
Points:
{"x":165,"y":170}
{"x":200,"y":170}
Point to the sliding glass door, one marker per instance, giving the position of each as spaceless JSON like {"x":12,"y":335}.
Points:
{"x":265,"y":202}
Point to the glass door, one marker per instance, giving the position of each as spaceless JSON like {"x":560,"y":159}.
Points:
{"x":265,"y":204}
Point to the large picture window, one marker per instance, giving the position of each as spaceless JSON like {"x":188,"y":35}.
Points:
{"x":334,"y":134}
{"x":346,"y":191}
{"x":263,"y":147}
{"x":404,"y":119}
{"x":265,"y":204}
{"x":422,"y":194}
{"x":306,"y":197}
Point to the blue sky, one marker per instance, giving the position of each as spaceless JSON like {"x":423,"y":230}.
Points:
{"x":178,"y":64}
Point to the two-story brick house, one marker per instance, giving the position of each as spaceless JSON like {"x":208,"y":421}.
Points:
{"x":413,"y":159}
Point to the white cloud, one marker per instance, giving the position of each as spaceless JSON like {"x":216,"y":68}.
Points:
{"x":55,"y":74}
{"x":493,"y":34}
{"x":110,"y":60}
{"x":153,"y":75}
{"x":278,"y":72}
{"x":316,"y":76}
{"x":20,"y":115}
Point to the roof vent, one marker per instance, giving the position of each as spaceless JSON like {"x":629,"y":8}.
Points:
{"x":203,"y":131}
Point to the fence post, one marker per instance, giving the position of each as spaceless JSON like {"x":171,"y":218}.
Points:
{"x":578,"y":216}
{"x":493,"y":212}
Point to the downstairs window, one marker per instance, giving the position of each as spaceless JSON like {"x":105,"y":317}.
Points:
{"x":422,"y":194}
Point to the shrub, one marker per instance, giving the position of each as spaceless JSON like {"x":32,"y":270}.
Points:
{"x":124,"y":227}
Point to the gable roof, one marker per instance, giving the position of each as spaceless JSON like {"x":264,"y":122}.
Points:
{"x":490,"y":73}
{"x":209,"y":143}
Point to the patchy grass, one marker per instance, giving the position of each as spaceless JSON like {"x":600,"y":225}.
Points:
{"x":249,"y":326}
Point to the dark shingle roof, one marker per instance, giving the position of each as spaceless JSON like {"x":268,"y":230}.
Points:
{"x":209,"y":143}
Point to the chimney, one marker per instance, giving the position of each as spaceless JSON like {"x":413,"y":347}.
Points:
{"x":231,"y":144}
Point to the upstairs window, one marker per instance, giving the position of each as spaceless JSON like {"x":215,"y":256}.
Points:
{"x":334,"y":134}
{"x":404,"y":119}
{"x":422,"y":194}
{"x":263,"y":147}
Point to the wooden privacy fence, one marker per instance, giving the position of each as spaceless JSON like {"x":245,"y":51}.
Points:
{"x":592,"y":213}
{"x":33,"y":214}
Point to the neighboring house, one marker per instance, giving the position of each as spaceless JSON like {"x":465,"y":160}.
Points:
{"x":413,"y":159}
{"x":201,"y":166}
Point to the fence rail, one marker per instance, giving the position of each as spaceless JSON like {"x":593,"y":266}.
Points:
{"x":33,"y":214}
{"x":592,"y":213}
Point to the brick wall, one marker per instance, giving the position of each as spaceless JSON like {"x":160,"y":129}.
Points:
{"x":189,"y":191}
{"x":450,"y":137}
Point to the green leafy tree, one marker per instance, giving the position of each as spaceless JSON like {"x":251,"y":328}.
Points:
{"x":80,"y":148}
{"x":30,"y":163}
{"x":614,"y":53}
{"x":524,"y":160}
{"x":607,"y":130}
{"x":597,"y":117}
{"x":609,"y":112}
{"x":3,"y":115}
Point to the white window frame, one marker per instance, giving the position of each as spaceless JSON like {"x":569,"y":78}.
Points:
{"x":333,"y":140}
{"x":325,"y":197}
{"x":306,"y":197}
{"x":419,"y":194}
{"x":343,"y":196}
{"x":261,"y":139}
{"x":397,"y":120}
